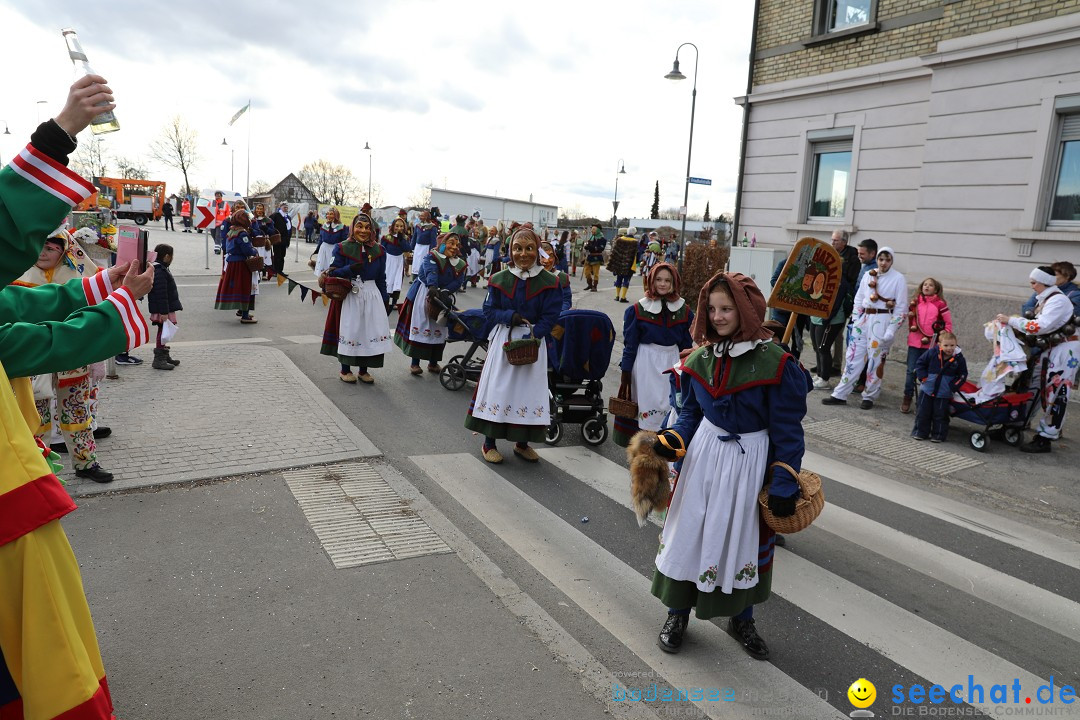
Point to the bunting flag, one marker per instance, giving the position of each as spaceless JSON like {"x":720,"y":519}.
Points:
{"x":292,"y":286}
{"x":240,"y":112}
{"x":325,"y":301}
{"x":303,"y":293}
{"x":280,"y":280}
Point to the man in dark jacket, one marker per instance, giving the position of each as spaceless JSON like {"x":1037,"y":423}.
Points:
{"x":283,"y":224}
{"x":850,"y":271}
{"x":166,"y":214}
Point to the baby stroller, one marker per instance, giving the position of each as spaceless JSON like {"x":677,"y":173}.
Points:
{"x":579,"y":352}
{"x":469,"y":326}
{"x":1004,"y":417}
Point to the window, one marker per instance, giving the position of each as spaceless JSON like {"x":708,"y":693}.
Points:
{"x":842,"y":14}
{"x":831,"y":166}
{"x":1065,"y":201}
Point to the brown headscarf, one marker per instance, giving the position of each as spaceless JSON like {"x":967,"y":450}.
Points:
{"x":676,"y":283}
{"x":241,"y":218}
{"x":748,"y":301}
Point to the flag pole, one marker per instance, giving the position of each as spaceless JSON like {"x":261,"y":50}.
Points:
{"x":247,"y":190}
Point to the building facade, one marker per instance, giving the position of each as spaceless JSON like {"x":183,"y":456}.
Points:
{"x":492,"y":208}
{"x":946,"y":129}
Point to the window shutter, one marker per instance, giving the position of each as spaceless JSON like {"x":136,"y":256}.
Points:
{"x":834,"y":146}
{"x":1070,"y":127}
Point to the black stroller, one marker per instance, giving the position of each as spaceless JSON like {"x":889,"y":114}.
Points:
{"x":579,"y":352}
{"x":469,"y":326}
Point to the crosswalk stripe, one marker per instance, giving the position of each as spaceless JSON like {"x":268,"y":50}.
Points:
{"x":227,"y":341}
{"x":303,"y":339}
{"x":612,"y":593}
{"x":985,"y":523}
{"x":873,"y":621}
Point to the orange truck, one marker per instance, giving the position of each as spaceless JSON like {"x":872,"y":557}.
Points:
{"x":138,"y":200}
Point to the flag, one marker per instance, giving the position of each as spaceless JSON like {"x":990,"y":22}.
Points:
{"x":303,"y":293}
{"x":292,"y":285}
{"x":240,"y":112}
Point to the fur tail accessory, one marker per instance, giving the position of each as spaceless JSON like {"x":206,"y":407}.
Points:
{"x":649,"y":485}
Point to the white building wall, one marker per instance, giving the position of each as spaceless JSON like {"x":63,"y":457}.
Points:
{"x":492,"y":209}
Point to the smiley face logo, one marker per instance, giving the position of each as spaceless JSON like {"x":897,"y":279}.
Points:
{"x":862,"y":693}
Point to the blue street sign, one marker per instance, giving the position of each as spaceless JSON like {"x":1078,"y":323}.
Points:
{"x":700,"y":181}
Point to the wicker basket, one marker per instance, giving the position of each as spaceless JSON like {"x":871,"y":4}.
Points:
{"x":337,"y":288}
{"x":621,"y":408}
{"x":807,"y":507}
{"x":524,"y":351}
{"x":258,"y":241}
{"x":254,"y":263}
{"x":275,"y":239}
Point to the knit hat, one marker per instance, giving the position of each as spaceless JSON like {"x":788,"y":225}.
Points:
{"x":654,"y":247}
{"x":749,"y":302}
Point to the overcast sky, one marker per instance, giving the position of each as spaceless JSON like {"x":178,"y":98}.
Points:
{"x":489,"y":97}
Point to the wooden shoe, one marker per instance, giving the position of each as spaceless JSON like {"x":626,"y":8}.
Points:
{"x":905,"y":406}
{"x":347,"y":377}
{"x":366,"y":378}
{"x":526,"y":453}
{"x":434,"y":368}
{"x":415,"y":370}
{"x":492,"y":455}
{"x":248,"y":320}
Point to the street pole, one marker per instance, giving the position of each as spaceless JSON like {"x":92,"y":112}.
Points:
{"x":676,"y":75}
{"x":615,"y":203}
{"x":368,"y":148}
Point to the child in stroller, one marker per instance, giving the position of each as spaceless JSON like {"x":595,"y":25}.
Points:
{"x":579,"y":352}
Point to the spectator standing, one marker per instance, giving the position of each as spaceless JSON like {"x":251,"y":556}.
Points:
{"x":220,"y":208}
{"x":577,"y":252}
{"x":283,"y":224}
{"x":941,"y":371}
{"x":166,"y":214}
{"x":928,"y":314}
{"x":850,"y":271}
{"x":309,"y":226}
{"x":185,"y":214}
{"x":795,"y":343}
{"x":163,"y":302}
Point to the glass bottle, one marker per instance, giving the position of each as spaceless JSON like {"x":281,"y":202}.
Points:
{"x":105,"y":122}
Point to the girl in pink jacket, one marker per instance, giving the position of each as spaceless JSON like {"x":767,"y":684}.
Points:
{"x":928,"y":314}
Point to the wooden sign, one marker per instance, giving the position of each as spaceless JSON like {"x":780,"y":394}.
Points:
{"x":810,"y":281}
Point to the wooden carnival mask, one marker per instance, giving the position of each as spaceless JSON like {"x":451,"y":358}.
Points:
{"x":523,"y":249}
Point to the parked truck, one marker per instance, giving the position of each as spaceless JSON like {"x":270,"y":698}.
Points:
{"x":138,"y":200}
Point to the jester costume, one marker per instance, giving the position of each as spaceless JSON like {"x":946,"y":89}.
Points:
{"x":51,"y":665}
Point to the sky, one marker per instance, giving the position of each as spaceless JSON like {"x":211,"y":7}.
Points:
{"x":508,"y":99}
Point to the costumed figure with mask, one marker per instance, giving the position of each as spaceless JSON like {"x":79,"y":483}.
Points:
{"x":332,"y":233}
{"x":621,"y":262}
{"x":418,"y":332}
{"x":396,"y":243}
{"x":472,"y":262}
{"x":655,"y":329}
{"x":67,"y":397}
{"x":236,"y":289}
{"x":50,"y":663}
{"x":511,"y":401}
{"x":425,"y":233}
{"x":1052,"y":331}
{"x":260,"y":241}
{"x":549,"y":261}
{"x":357,"y":332}
{"x":492,"y":252}
{"x":742,"y":410}
{"x":262,"y":226}
{"x":880,"y":310}
{"x":594,"y":256}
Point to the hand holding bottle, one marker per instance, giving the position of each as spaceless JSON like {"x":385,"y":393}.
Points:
{"x":84,"y":104}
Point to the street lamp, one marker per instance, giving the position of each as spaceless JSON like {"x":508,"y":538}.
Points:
{"x":368,"y":148}
{"x":6,"y":131}
{"x":232,"y":164}
{"x":615,"y":202}
{"x":676,"y":75}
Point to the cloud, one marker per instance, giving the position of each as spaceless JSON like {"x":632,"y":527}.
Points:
{"x":593,"y":190}
{"x":461,"y":99}
{"x":394,"y":99}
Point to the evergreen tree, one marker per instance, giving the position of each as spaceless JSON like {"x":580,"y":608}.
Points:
{"x":707,"y":218}
{"x":655,"y":212}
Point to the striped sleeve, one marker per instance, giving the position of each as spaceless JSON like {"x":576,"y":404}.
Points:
{"x":97,"y":288}
{"x":51,"y":176}
{"x":135,"y":327}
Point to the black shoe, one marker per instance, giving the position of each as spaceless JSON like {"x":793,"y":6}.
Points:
{"x":866,"y":404}
{"x":671,"y":635}
{"x":95,"y":473}
{"x":102,"y":432}
{"x":744,"y":632}
{"x":59,"y":448}
{"x":125,"y":359}
{"x":833,"y":401}
{"x":1038,"y":444}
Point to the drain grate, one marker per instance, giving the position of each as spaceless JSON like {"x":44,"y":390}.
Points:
{"x":358,"y":517}
{"x":903,"y":450}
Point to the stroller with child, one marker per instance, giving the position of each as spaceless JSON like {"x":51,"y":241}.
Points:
{"x":579,"y":352}
{"x":463,"y":326}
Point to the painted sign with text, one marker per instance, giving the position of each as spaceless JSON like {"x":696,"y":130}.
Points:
{"x":810,"y":281}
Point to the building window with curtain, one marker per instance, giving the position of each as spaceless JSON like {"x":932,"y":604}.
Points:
{"x":829,"y":180}
{"x":838,"y":16}
{"x":1065,"y":187}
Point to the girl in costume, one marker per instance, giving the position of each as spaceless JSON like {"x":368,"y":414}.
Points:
{"x":357,"y":331}
{"x":655,"y":329}
{"x":472,"y":262}
{"x":928,"y":314}
{"x":425,"y":234}
{"x":577,"y":252}
{"x":511,"y":401}
{"x":562,"y":248}
{"x":549,"y":261}
{"x":492,"y":252}
{"x":259,"y":241}
{"x":417,"y":333}
{"x":396,"y":243}
{"x":262,"y":226}
{"x":742,"y":410}
{"x":332,"y":233}
{"x":235,"y":287}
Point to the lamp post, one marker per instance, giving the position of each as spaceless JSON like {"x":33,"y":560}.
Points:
{"x":3,"y":152}
{"x":39,"y":104}
{"x":676,"y":75}
{"x":615,"y":202}
{"x":368,"y":148}
{"x":232,"y":164}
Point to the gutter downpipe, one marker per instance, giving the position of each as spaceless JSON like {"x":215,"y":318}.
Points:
{"x":745,"y":126}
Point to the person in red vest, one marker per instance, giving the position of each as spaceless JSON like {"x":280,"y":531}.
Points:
{"x":221,"y":214}
{"x":185,"y":214}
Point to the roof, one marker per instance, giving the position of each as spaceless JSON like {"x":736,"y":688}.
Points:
{"x":492,"y":197}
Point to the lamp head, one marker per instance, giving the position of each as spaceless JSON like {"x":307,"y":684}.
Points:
{"x":366,"y":146}
{"x":622,"y":170}
{"x":223,"y":141}
{"x":675,"y":74}
{"x":6,"y":131}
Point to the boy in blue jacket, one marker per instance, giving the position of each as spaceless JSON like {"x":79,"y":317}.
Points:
{"x":941,"y":371}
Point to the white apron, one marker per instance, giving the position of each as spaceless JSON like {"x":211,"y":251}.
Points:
{"x":364,"y":329}
{"x":516,"y":394}
{"x":651,"y":388}
{"x":421,"y":328}
{"x":395,"y":267}
{"x":419,"y":253}
{"x":472,"y":263}
{"x":710,"y":537}
{"x":256,"y":276}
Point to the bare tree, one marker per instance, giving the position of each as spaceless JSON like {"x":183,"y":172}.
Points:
{"x":422,"y":196}
{"x":332,"y":183}
{"x":316,"y":175}
{"x":177,"y":147}
{"x":131,"y":169}
{"x":260,"y":187}
{"x":90,"y":158}
{"x":572,"y":213}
